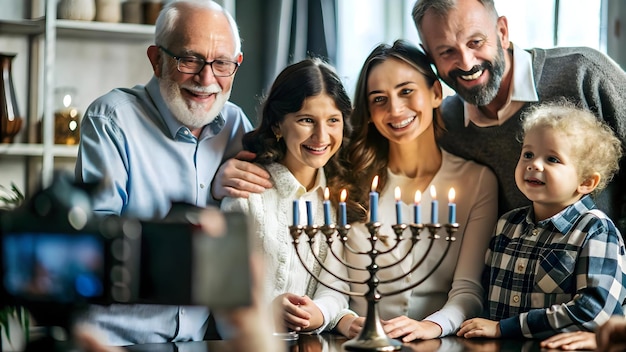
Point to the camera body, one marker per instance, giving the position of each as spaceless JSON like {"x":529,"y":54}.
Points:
{"x":57,"y":256}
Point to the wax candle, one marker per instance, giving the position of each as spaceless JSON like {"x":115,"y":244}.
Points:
{"x":451,"y":206}
{"x":398,"y":205}
{"x":417,"y":208}
{"x":296,"y":212}
{"x":343,"y":219}
{"x":309,"y":213}
{"x":434,"y":209}
{"x":374,"y":201}
{"x":326,"y":206}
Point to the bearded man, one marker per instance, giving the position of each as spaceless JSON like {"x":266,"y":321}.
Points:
{"x":161,"y":143}
{"x":496,"y":82}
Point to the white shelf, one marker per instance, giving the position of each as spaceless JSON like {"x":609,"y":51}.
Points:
{"x":28,"y":149}
{"x":80,"y":29}
{"x":104,"y":30}
{"x":23,"y":27}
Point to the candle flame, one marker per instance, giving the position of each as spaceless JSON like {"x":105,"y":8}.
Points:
{"x":397,"y":194}
{"x":433,"y":192}
{"x":418,"y":197}
{"x":326,"y":193}
{"x":451,"y":195}
{"x":343,"y":195}
{"x":375,"y":183}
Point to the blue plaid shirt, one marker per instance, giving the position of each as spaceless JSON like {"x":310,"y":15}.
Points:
{"x":565,"y":273}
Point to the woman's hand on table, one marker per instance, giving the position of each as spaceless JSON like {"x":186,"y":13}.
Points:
{"x":409,"y":329}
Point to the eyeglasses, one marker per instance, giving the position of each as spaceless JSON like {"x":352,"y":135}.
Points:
{"x":194,"y":65}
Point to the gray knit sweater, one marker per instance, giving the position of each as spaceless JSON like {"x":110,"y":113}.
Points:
{"x":582,"y":75}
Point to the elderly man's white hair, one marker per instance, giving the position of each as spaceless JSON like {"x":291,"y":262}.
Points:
{"x":169,"y":15}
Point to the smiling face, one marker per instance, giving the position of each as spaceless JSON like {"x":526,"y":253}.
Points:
{"x":468,"y":48}
{"x":312,"y":136}
{"x":547,"y":173}
{"x":196,"y":99}
{"x":400,"y":101}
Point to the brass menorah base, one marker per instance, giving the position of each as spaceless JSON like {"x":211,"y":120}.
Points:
{"x":373,"y":336}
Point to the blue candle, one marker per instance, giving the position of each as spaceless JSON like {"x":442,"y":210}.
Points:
{"x":417,"y":208}
{"x":309,"y":213}
{"x":451,"y":207}
{"x":374,"y":201}
{"x":343,"y":221}
{"x":398,"y":205}
{"x":326,"y":206}
{"x":434,"y":210}
{"x":296,"y":212}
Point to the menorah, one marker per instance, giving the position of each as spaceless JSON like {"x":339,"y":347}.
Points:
{"x":373,"y":336}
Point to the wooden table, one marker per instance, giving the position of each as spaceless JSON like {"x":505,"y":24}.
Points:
{"x":332,"y":343}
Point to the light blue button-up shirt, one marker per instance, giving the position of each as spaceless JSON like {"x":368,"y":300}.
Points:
{"x":147,"y":160}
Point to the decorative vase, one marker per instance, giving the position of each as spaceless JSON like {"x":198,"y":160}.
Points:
{"x":132,"y":11}
{"x":151,"y":9}
{"x":108,"y":10}
{"x":82,"y":10}
{"x":10,"y":120}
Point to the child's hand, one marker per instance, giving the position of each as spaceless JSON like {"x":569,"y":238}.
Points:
{"x":316,"y":318}
{"x":577,"y":340}
{"x":298,"y":313}
{"x":479,"y":327}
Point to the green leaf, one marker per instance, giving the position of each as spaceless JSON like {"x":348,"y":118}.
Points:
{"x":22,"y":316}
{"x":4,"y":320}
{"x":12,"y":197}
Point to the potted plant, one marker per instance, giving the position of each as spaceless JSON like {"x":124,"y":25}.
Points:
{"x":11,"y":315}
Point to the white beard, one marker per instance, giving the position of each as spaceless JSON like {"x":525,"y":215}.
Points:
{"x":190,"y":113}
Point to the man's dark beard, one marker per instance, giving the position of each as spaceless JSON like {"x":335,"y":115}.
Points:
{"x":480,"y":95}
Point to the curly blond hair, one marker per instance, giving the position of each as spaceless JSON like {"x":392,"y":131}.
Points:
{"x":595,"y":146}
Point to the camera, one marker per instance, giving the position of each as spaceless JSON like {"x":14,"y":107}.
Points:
{"x":57,"y":256}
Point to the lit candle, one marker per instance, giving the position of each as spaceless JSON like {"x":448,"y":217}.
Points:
{"x":434,"y":206}
{"x":343,"y":219}
{"x":296,"y":212}
{"x":451,"y":207}
{"x":417,"y":208}
{"x":326,"y":206}
{"x":398,"y":205}
{"x":309,"y":213}
{"x":374,"y":201}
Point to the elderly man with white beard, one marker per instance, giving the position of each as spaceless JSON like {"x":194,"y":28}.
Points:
{"x":159,"y":143}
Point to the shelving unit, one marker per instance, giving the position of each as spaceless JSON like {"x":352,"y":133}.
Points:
{"x":43,"y":33}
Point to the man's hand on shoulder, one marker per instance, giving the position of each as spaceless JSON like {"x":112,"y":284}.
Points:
{"x":238,"y":177}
